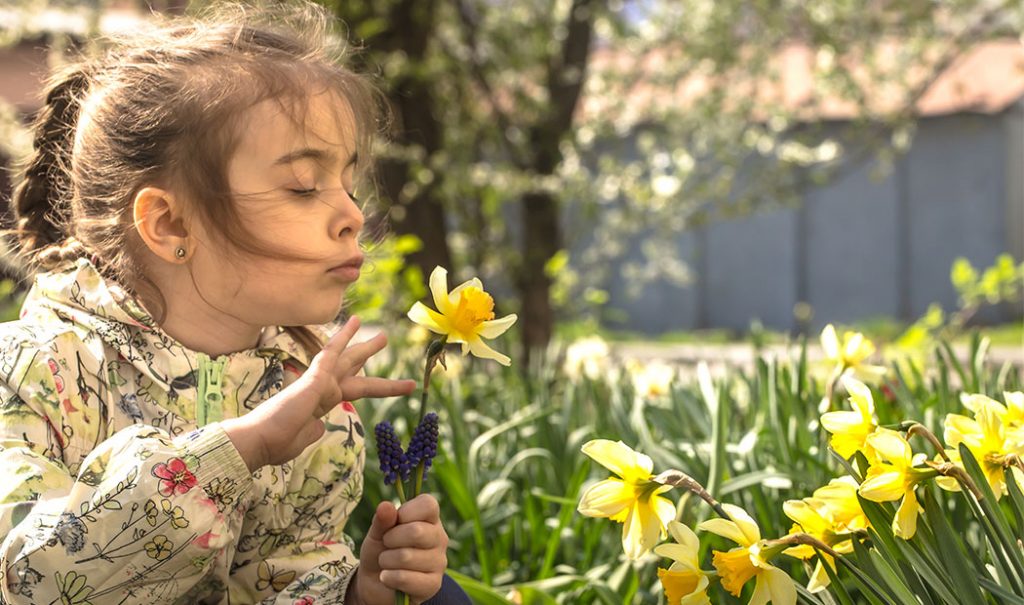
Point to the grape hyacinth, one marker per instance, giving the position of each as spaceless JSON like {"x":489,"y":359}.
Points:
{"x":423,"y":446}
{"x":393,"y":461}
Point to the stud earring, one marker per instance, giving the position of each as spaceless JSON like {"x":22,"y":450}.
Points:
{"x":179,"y":252}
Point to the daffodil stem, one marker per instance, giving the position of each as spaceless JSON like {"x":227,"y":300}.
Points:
{"x":435,"y":351}
{"x":677,"y":478}
{"x":916,"y":428}
{"x":419,"y":480}
{"x":948,"y":469}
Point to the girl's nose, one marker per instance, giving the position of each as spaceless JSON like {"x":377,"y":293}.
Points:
{"x":350,"y":219}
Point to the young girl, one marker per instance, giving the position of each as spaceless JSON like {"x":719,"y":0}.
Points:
{"x":170,"y":429}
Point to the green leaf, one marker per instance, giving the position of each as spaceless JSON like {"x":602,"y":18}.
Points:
{"x":478,"y":592}
{"x":954,"y":561}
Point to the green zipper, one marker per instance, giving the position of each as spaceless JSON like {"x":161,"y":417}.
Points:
{"x":209,"y":389}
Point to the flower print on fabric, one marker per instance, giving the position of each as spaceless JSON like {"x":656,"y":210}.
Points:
{"x":70,"y":532}
{"x":129,"y":406}
{"x":120,"y":495}
{"x":175,"y":477}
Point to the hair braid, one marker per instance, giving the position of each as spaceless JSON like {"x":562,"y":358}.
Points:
{"x":41,"y":197}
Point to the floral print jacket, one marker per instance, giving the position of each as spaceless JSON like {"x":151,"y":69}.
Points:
{"x":117,"y":483}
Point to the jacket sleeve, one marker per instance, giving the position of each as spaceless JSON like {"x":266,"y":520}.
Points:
{"x":298,"y":551}
{"x":135,"y":516}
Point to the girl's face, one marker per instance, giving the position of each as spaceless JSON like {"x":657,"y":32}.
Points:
{"x":293,"y":184}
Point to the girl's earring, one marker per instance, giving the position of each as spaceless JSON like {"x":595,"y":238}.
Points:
{"x":179,"y":252}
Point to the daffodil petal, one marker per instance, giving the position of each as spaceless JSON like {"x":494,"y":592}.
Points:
{"x":428,"y":318}
{"x":741,"y":529}
{"x":642,"y":530}
{"x":846,"y":444}
{"x":830,"y":342}
{"x":618,"y":457}
{"x":904,"y":524}
{"x":744,"y":521}
{"x":841,"y":422}
{"x":481,"y":350}
{"x":639,"y":535}
{"x":606,"y":498}
{"x":439,"y":290}
{"x":819,"y":577}
{"x":806,"y":515}
{"x":883,"y":487}
{"x":685,"y":538}
{"x":891,"y":446}
{"x":762,"y":592}
{"x":663,"y":508}
{"x":780,"y":585}
{"x":496,"y":327}
{"x":860,"y":396}
{"x":678,"y":553}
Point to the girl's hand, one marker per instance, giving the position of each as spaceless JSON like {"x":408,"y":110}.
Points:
{"x":281,"y":427}
{"x":406,"y":550}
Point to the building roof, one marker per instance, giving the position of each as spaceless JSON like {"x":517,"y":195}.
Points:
{"x":986,"y":79}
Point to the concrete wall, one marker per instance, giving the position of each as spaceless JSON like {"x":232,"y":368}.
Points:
{"x":858,"y":248}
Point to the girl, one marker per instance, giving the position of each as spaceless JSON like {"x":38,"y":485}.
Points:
{"x":170,"y":429}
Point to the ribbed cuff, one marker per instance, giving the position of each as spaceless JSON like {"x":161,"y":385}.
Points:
{"x":218,"y":457}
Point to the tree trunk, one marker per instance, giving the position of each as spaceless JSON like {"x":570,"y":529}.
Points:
{"x":542,"y":238}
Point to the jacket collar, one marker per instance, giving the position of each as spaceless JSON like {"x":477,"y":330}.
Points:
{"x":93,"y":304}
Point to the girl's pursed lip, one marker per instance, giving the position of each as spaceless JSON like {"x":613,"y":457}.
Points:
{"x":346,"y":272}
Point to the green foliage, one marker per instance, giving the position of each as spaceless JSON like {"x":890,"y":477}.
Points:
{"x":1002,"y":283}
{"x":511,"y":472}
{"x":10,"y":300}
{"x":388,"y":285}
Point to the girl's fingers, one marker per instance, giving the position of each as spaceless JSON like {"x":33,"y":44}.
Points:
{"x":416,"y":584}
{"x":418,"y":534}
{"x":413,"y":559}
{"x":353,"y":358}
{"x":358,"y":387}
{"x":423,"y":507}
{"x":337,"y":343}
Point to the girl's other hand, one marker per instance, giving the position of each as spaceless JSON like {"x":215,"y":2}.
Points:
{"x":281,"y":427}
{"x":406,"y":550}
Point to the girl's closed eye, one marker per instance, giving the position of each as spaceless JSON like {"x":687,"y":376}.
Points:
{"x":301,"y":192}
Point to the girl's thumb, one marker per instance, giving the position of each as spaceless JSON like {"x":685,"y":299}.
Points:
{"x":384,"y":519}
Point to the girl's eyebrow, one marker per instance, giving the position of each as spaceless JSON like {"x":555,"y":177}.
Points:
{"x":312,"y":153}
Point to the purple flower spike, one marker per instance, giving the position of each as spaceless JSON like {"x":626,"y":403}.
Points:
{"x":393,"y":461}
{"x":423,"y":446}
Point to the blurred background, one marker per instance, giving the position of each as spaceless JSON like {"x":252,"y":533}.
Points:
{"x":677,"y":182}
{"x":669,"y":170}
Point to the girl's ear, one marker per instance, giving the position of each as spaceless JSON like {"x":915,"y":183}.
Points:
{"x":159,"y":220}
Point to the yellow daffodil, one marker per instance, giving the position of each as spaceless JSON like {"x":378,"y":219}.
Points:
{"x":893,"y":477}
{"x":631,"y":498}
{"x":652,"y":380}
{"x":465,"y":315}
{"x":1014,"y":420}
{"x":750,"y":560}
{"x":1011,"y":416}
{"x":848,"y":356}
{"x":587,"y":357}
{"x":840,"y":498}
{"x":850,"y":430}
{"x":813,"y":517}
{"x":985,"y":436}
{"x":685,"y":583}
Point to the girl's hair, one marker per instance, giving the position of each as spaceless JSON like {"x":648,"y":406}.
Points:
{"x":163,"y":107}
